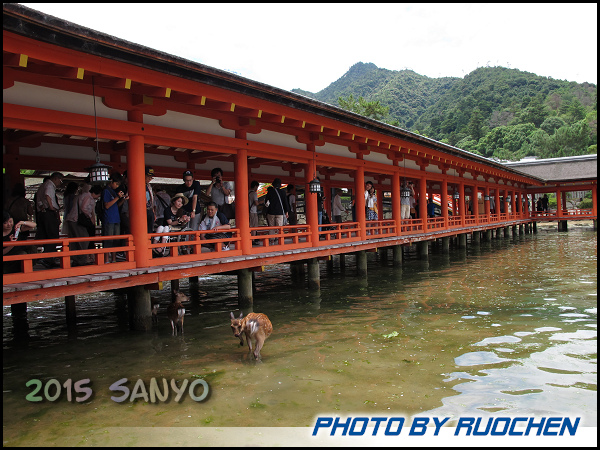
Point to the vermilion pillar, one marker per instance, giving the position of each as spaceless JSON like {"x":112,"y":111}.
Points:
{"x":486,"y":203}
{"x":594,"y":200}
{"x":379,"y":201}
{"x":444,"y":202}
{"x":359,"y":203}
{"x":242,"y":211}
{"x":497,"y":201}
{"x":559,"y":204}
{"x":461,"y":203}
{"x":476,"y":203}
{"x":396,"y":201}
{"x":310,"y":200}
{"x":423,"y":201}
{"x":137,"y":199}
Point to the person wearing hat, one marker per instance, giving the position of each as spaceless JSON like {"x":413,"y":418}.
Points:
{"x":150,"y":213}
{"x":194,"y":206}
{"x":173,"y":217}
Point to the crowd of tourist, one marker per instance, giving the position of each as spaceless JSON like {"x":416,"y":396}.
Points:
{"x":87,"y":208}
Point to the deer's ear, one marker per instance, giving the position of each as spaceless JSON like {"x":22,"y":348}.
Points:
{"x":232,"y":316}
{"x":241,"y":315}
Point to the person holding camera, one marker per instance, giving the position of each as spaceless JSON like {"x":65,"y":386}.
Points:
{"x":371,"y":201}
{"x":218,"y":189}
{"x":111,"y":220}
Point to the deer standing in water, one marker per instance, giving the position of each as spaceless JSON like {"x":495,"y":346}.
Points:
{"x":255,"y":326}
{"x":176,"y":311}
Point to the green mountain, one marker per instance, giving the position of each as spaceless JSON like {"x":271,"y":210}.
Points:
{"x":493,"y":111}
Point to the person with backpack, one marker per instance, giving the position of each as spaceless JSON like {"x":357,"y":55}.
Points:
{"x":82,"y":204}
{"x":111,"y":220}
{"x":277,"y":206}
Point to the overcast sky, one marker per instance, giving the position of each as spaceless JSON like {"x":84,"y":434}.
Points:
{"x":309,"y":46}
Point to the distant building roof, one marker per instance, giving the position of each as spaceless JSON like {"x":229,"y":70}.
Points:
{"x":570,"y":168}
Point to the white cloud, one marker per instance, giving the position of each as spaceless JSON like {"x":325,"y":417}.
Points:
{"x":311,"y":45}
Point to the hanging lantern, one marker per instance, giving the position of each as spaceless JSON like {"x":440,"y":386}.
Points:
{"x":456,"y":195}
{"x":314,"y":186}
{"x":507,"y":199}
{"x":486,"y":198}
{"x":405,"y":192}
{"x":98,"y":172}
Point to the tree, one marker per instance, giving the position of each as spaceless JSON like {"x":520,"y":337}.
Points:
{"x":551,"y":124}
{"x":474,"y":128}
{"x":374,"y":110}
{"x":575,"y":112}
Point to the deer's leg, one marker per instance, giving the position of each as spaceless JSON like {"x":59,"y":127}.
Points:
{"x":260,"y":340}
{"x":249,"y":340}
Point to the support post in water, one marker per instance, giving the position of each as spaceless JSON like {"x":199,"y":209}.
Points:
{"x":361,"y":263}
{"x":245,"y":296}
{"x":140,"y":314}
{"x":314,"y":278}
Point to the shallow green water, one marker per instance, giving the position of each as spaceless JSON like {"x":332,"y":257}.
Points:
{"x":508,"y":328}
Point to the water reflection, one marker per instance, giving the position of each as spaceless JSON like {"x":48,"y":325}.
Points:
{"x":504,"y":328}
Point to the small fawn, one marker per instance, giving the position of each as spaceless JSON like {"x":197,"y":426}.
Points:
{"x":154,"y":308}
{"x":176,"y":312}
{"x":257,"y":326}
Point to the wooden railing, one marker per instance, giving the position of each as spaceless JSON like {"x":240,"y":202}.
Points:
{"x":64,"y":255}
{"x":435,"y":223}
{"x":347,"y":232}
{"x":377,"y":229}
{"x":187,"y":246}
{"x":278,"y":238}
{"x":566,"y":214}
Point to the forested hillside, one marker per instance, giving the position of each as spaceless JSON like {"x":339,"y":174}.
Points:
{"x":493,"y":111}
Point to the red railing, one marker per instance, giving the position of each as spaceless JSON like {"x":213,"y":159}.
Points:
{"x":347,"y":231}
{"x":411,"y":226}
{"x":377,"y":229}
{"x":566,"y":214}
{"x":278,"y":238}
{"x":188,"y":246}
{"x":64,"y":254}
{"x":435,"y":223}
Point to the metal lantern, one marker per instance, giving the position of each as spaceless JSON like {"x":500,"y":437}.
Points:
{"x":405,"y":192}
{"x":456,"y":195}
{"x":486,"y":198}
{"x":507,"y":199}
{"x":98,"y":172}
{"x":314,"y":186}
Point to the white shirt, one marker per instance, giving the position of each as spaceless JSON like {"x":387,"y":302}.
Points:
{"x":370,"y":201}
{"x":337,"y":205}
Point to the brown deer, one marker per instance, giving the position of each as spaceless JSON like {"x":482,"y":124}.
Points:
{"x":154,"y":308}
{"x":176,"y":311}
{"x":254,"y":326}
